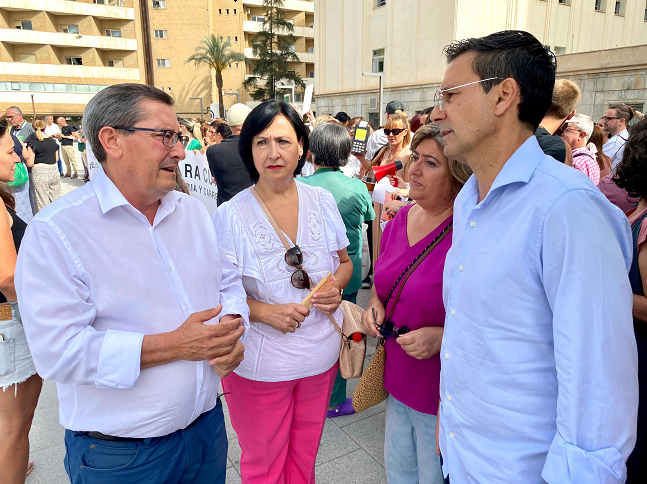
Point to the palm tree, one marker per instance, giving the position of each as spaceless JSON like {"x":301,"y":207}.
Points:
{"x":216,"y":53}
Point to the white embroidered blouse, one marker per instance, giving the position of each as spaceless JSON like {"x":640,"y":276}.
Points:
{"x":251,"y":244}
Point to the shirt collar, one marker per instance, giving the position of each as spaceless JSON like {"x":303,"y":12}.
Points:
{"x":624,"y":135}
{"x":109,"y":197}
{"x":519,"y":168}
{"x":324,"y":169}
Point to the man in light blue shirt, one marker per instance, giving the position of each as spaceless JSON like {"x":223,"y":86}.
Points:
{"x":539,"y":363}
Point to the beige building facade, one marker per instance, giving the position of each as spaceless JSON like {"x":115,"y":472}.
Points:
{"x":404,"y":39}
{"x":63,"y":52}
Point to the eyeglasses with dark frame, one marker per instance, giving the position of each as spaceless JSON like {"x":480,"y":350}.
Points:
{"x":438,"y":96}
{"x":294,"y":258}
{"x":169,"y":139}
{"x":607,"y":118}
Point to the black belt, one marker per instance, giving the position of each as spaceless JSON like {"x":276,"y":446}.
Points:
{"x":112,"y":438}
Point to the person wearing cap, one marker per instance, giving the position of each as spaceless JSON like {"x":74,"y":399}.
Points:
{"x":378,"y":138}
{"x":225,"y":163}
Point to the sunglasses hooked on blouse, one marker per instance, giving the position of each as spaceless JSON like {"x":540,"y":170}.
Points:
{"x":294,"y":258}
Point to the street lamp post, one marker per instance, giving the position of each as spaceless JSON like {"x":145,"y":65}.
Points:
{"x":379,"y":101}
{"x":198,"y":99}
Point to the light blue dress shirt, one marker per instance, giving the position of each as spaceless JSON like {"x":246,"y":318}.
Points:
{"x":539,"y":362}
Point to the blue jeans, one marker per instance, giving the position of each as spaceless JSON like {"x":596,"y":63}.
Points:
{"x":410,"y":446}
{"x":195,"y":455}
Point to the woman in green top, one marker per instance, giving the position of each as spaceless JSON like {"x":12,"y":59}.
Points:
{"x":330,"y":149}
{"x":188,"y":127}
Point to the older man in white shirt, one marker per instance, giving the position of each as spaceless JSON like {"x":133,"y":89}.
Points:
{"x":53,"y":131}
{"x":129,"y":305}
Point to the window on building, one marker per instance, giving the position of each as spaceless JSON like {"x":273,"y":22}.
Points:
{"x":234,"y":11}
{"x":620,"y":7}
{"x":23,"y":24}
{"x":646,"y":13}
{"x":163,"y":63}
{"x":560,"y":50}
{"x":311,"y":74}
{"x":600,"y":5}
{"x":157,"y":4}
{"x":298,"y":97}
{"x":293,"y":48}
{"x":114,"y":3}
{"x":258,"y":18}
{"x":116,"y":63}
{"x":565,"y":2}
{"x":235,"y":38}
{"x":113,"y":33}
{"x":220,"y":11}
{"x":380,"y":3}
{"x":161,"y":34}
{"x":70,"y":29}
{"x":28,"y":58}
{"x":236,"y":65}
{"x":227,"y":11}
{"x":311,"y":50}
{"x":74,"y":61}
{"x":378,"y":60}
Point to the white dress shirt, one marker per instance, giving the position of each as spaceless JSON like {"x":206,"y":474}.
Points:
{"x":93,"y":277}
{"x":252,"y":245}
{"x":374,"y":143}
{"x":615,"y":147}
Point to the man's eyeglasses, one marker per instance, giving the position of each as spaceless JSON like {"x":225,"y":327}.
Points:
{"x":169,"y":139}
{"x":394,"y":132}
{"x":438,"y":96}
{"x":607,"y":118}
{"x":294,"y":258}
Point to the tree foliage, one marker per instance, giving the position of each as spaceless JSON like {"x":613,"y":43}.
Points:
{"x":216,"y":53}
{"x":272,"y":48}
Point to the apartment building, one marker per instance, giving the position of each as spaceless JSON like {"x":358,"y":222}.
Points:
{"x":403,"y":40}
{"x":63,"y":52}
{"x":178,"y":26}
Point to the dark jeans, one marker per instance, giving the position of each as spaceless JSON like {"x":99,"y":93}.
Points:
{"x":195,"y":455}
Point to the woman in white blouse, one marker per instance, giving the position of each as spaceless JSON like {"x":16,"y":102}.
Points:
{"x":278,"y":397}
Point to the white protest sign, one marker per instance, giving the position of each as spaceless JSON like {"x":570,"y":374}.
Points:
{"x":93,"y":163}
{"x":307,"y":98}
{"x":196,"y":174}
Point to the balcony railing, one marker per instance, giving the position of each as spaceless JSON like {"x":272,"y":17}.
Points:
{"x":303,"y":56}
{"x":253,"y":27}
{"x":64,"y":7}
{"x":65,"y":72}
{"x":16,"y":36}
{"x":296,"y":5}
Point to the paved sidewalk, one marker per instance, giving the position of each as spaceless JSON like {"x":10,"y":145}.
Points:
{"x":351,"y":447}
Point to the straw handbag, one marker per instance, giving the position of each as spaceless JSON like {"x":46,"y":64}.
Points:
{"x":351,"y":353}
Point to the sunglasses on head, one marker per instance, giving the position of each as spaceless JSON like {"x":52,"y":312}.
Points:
{"x":387,"y":329}
{"x":394,"y":131}
{"x":294,"y":258}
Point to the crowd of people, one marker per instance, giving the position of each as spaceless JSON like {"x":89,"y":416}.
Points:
{"x":507,"y":277}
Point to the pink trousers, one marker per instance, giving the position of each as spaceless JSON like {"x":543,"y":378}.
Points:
{"x":279,"y":426}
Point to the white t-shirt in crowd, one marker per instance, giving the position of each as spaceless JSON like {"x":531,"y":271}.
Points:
{"x":374,"y":143}
{"x":308,"y":169}
{"x":251,"y":244}
{"x":51,"y":130}
{"x":351,"y":169}
{"x":615,"y":147}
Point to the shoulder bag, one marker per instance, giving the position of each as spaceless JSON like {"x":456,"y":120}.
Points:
{"x":370,"y":390}
{"x":351,"y":353}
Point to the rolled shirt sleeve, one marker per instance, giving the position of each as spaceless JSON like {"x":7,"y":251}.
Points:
{"x":57,"y":314}
{"x":585,"y":259}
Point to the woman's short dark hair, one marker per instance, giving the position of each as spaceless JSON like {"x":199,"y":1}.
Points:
{"x":330,"y":144}
{"x":631,"y":173}
{"x":518,"y":55}
{"x":258,"y":121}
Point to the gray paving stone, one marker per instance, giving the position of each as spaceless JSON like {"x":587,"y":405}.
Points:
{"x":356,"y":468}
{"x":48,"y":395}
{"x":45,"y":430}
{"x":233,"y":477}
{"x":334,"y":443}
{"x":48,"y":466}
{"x":369,"y":434}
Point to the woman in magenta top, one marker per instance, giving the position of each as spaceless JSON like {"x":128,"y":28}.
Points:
{"x":412,"y":369}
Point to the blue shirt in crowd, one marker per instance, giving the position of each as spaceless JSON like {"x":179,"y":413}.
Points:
{"x":539,"y":363}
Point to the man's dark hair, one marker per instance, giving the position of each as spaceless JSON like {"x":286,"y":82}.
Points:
{"x":258,"y":121}
{"x":342,"y":117}
{"x":631,"y":173}
{"x":117,"y":105}
{"x":518,"y":55}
